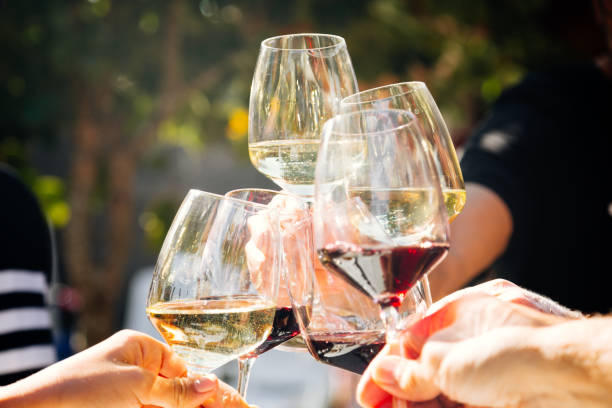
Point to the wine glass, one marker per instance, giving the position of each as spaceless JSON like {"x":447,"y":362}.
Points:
{"x":379,"y":215}
{"x":297,"y":250}
{"x":416,"y":98}
{"x":205,"y":300}
{"x":298,"y":83}
{"x":342,"y":326}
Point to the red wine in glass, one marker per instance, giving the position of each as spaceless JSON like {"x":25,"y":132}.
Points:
{"x":384,"y":273}
{"x":285,"y":327}
{"x":350,"y":351}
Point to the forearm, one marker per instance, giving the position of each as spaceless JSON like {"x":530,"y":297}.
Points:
{"x":38,"y":390}
{"x":579,"y":355}
{"x":478,"y":236}
{"x":565,"y":365}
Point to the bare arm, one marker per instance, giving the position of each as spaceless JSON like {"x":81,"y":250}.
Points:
{"x":478,"y":236}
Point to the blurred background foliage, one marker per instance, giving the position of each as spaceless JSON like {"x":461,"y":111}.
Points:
{"x":95,"y":92}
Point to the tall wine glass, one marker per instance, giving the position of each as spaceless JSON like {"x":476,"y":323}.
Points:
{"x":379,"y":215}
{"x":416,"y":98}
{"x":204,"y":299}
{"x":296,"y":239}
{"x":298,"y":83}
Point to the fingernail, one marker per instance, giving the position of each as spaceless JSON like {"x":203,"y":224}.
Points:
{"x":385,"y":371}
{"x":204,"y":384}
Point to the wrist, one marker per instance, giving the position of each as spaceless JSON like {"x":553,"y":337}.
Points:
{"x":38,"y":390}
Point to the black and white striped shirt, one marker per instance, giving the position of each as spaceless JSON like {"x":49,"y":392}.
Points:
{"x":26,"y":342}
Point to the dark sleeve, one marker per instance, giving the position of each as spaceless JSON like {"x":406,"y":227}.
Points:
{"x":504,"y":151}
{"x":26,"y":341}
{"x":25,"y":240}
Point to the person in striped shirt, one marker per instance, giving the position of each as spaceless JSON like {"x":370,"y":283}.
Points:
{"x":26,"y":338}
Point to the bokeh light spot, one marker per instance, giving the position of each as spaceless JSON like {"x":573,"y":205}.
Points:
{"x":149,"y":23}
{"x":238,"y":124}
{"x":231,"y":14}
{"x":490,"y":89}
{"x":208,"y":8}
{"x":100,"y":8}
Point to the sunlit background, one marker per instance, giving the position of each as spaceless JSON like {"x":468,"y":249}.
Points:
{"x":112,"y":110}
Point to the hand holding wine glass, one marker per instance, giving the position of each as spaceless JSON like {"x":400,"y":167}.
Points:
{"x":202,"y":299}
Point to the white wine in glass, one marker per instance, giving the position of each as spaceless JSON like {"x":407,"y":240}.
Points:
{"x":298,"y":83}
{"x":204,"y":300}
{"x":416,"y":98}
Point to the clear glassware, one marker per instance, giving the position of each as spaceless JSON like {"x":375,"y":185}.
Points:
{"x":297,"y":252}
{"x":416,"y":98}
{"x":298,"y":83}
{"x":205,"y":299}
{"x":379,"y":216}
{"x":343,"y":327}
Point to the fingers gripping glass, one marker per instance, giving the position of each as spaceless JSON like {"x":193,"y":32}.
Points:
{"x":205,"y":300}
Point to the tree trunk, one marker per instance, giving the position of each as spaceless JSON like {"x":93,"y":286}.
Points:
{"x":99,"y":138}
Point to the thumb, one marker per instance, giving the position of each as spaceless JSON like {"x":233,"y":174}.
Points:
{"x":181,"y":392}
{"x":403,"y":378}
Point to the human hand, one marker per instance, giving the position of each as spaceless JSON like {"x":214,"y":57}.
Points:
{"x":127,"y":370}
{"x":510,"y":292}
{"x":295,"y":230}
{"x":470,"y":350}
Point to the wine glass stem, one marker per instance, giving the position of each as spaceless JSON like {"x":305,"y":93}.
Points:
{"x":244,"y":371}
{"x":427,"y":290}
{"x":391,"y":318}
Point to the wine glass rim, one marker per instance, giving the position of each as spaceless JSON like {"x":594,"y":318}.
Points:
{"x":268,"y":190}
{"x":339,"y":42}
{"x":412,"y":84}
{"x":341,"y":116}
{"x":195,"y":191}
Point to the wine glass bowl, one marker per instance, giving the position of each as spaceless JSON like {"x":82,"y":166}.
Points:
{"x":416,"y":98}
{"x":298,"y":83}
{"x":379,"y":215}
{"x":203,"y":299}
{"x":343,"y":327}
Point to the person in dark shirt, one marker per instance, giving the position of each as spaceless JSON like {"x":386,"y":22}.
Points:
{"x":26,"y":341}
{"x":539,"y":196}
